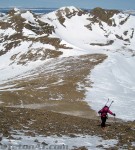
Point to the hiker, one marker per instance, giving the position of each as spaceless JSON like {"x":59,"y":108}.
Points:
{"x":103,"y":113}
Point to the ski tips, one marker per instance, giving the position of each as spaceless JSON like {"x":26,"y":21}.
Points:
{"x":108,"y":101}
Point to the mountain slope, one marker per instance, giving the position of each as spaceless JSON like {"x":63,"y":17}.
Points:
{"x":21,"y":29}
{"x":51,"y":56}
{"x":108,"y":29}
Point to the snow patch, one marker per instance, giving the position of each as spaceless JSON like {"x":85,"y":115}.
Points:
{"x":114,"y":79}
{"x":7,"y":32}
{"x":39,"y":142}
{"x":27,"y":32}
{"x":29,"y":17}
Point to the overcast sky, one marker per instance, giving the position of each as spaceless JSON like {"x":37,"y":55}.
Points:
{"x":110,"y":4}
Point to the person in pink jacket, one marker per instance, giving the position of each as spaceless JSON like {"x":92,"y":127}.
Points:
{"x":103,"y":113}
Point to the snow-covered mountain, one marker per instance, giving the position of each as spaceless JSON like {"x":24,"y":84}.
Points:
{"x":109,"y":29}
{"x":64,"y":28}
{"x":45,"y":45}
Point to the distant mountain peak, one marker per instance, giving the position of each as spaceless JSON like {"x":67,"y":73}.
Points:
{"x":14,"y":11}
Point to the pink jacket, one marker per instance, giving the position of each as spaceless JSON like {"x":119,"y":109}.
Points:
{"x":104,"y":111}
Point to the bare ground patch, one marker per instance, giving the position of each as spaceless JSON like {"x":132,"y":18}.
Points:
{"x":42,"y":122}
{"x":58,"y":85}
{"x":59,"y":79}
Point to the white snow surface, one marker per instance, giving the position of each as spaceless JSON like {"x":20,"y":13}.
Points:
{"x":29,"y":17}
{"x":7,"y":32}
{"x":24,"y":142}
{"x":114,"y":79}
{"x":27,"y":32}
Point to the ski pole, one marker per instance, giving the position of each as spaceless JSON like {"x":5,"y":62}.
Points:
{"x":114,"y":119}
{"x":115,"y":122}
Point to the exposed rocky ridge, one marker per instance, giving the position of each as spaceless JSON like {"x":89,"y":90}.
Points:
{"x":16,"y":29}
{"x":104,"y":15}
{"x":17,"y":18}
{"x":68,"y":12}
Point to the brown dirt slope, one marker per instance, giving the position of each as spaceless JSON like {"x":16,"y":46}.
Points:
{"x":59,"y":79}
{"x":49,"y":123}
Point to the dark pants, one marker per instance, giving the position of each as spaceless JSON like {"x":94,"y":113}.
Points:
{"x":103,"y":121}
